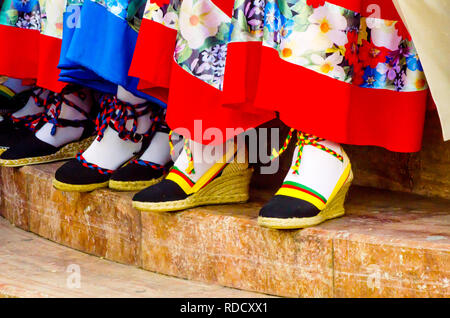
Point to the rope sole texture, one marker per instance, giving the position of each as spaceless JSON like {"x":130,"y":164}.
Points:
{"x":78,"y":187}
{"x":334,"y":209}
{"x":132,"y":185}
{"x":229,"y":188}
{"x":69,"y":151}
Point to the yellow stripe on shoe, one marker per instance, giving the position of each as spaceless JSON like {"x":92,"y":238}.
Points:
{"x":332,"y":208}
{"x":132,"y":185}
{"x":231,"y":186}
{"x":69,"y":151}
{"x":6,"y":91}
{"x":188,"y":185}
{"x":78,"y":187}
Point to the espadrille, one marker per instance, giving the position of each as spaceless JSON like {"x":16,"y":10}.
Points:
{"x":14,"y":129}
{"x":30,"y":150}
{"x":314,"y":189}
{"x":80,"y":175}
{"x":11,"y":101}
{"x":227,"y":181}
{"x":139,"y":173}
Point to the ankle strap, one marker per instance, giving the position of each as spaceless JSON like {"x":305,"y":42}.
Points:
{"x":304,"y":139}
{"x":51,"y":115}
{"x":116,"y":113}
{"x":93,"y":166}
{"x":150,"y":164}
{"x":31,"y":121}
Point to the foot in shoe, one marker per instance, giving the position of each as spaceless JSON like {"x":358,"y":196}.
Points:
{"x":150,"y":168}
{"x":30,"y":108}
{"x":56,"y":132}
{"x":122,"y":128}
{"x":13,"y":94}
{"x":314,"y":189}
{"x":201,"y":182}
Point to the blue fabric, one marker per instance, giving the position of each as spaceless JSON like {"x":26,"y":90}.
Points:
{"x":72,"y":72}
{"x":98,"y":54}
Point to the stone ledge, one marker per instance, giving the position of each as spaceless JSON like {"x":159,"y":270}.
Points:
{"x":389,"y":244}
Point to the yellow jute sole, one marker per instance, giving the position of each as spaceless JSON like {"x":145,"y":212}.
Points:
{"x":78,"y":187}
{"x":230,"y":188}
{"x":69,"y":151}
{"x":333,"y":209}
{"x":132,"y":185}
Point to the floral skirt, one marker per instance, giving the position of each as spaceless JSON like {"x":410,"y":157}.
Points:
{"x":32,"y":32}
{"x":345,"y":70}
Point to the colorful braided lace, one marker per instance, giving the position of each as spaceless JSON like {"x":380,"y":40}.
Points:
{"x":89,"y":165}
{"x":146,"y":163}
{"x":31,"y":121}
{"x":52,"y":114}
{"x":190,"y":169}
{"x":116,"y":113}
{"x":304,"y":139}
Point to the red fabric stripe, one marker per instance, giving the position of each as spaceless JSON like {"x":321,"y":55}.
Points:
{"x":183,"y":176}
{"x":18,"y":55}
{"x":348,"y":113}
{"x":225,"y":5}
{"x":48,"y":72}
{"x":160,"y":93}
{"x":302,"y":190}
{"x":153,"y":58}
{"x":387,"y":9}
{"x":192,"y":99}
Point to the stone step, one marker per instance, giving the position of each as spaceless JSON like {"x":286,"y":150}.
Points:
{"x":388,"y":245}
{"x":32,"y":266}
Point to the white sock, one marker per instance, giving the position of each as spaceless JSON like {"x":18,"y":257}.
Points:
{"x":318,"y":170}
{"x":111,"y":151}
{"x":126,"y":96}
{"x":159,"y":150}
{"x":30,"y":107}
{"x":68,"y":134}
{"x":15,"y":85}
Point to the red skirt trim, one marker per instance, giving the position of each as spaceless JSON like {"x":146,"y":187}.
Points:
{"x":153,"y":57}
{"x":382,"y":9}
{"x":258,"y":83}
{"x":48,"y":71}
{"x":196,"y":108}
{"x":317,"y":104}
{"x":28,"y":54}
{"x":18,"y":56}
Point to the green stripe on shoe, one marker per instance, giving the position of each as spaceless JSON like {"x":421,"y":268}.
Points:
{"x":301,"y":186}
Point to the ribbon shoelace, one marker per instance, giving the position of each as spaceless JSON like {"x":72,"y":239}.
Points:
{"x":303,"y":139}
{"x":190,"y":168}
{"x":52,"y":115}
{"x":146,"y":163}
{"x":89,"y":165}
{"x":116,"y":113}
{"x":52,"y":111}
{"x":31,"y":121}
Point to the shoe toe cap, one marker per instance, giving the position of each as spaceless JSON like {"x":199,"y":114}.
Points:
{"x":136,"y":172}
{"x":284,"y":207}
{"x":73,"y":172}
{"x":164,"y":191}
